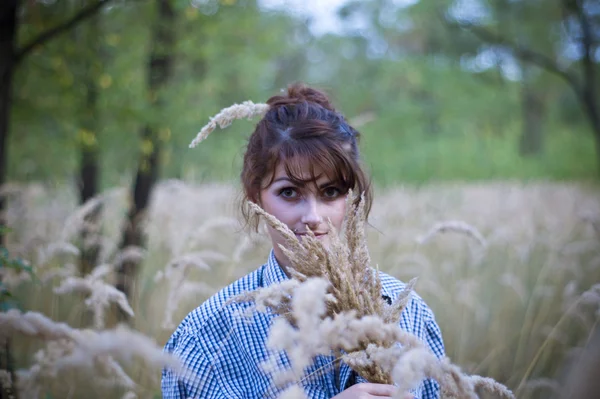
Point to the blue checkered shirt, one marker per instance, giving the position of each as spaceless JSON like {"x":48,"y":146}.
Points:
{"x":223,"y":350}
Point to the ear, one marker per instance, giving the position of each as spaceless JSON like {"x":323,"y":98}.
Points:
{"x":256,"y":198}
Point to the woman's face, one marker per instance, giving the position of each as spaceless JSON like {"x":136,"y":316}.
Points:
{"x":303,"y":207}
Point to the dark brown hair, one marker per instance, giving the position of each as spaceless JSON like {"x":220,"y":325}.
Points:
{"x":303,"y":128}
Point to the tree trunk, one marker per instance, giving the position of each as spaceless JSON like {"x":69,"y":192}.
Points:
{"x":532,"y":107}
{"x":430,"y":111}
{"x":591,"y":106}
{"x":88,"y":38}
{"x":589,"y":92}
{"x":8,"y":31}
{"x":7,"y":363}
{"x":159,"y":70}
{"x":10,"y":56}
{"x":91,"y":229}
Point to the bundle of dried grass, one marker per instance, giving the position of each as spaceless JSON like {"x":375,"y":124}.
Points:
{"x":346,"y":264}
{"x":355,"y":287}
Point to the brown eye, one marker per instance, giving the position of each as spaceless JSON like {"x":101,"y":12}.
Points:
{"x":331,"y":192}
{"x":288,"y":192}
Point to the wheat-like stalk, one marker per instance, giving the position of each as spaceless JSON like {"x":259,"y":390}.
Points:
{"x":245,"y":110}
{"x":276,"y":297}
{"x":70,"y":348}
{"x":100,"y":294}
{"x":176,"y":273}
{"x":42,"y":269}
{"x":455,"y":226}
{"x":293,"y":392}
{"x":63,"y":355}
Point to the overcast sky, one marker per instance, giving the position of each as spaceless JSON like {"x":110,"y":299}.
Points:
{"x":323,"y":12}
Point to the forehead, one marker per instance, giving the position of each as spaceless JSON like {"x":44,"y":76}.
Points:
{"x":300,"y":171}
{"x":307,"y":162}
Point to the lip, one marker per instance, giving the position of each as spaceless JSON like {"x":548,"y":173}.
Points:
{"x":318,"y":236}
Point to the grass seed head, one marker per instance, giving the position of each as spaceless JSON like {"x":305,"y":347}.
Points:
{"x":245,"y":110}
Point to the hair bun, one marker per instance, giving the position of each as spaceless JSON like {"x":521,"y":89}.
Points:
{"x":298,"y":93}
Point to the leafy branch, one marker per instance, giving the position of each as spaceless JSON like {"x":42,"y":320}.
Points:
{"x":523,"y":53}
{"x":43,"y":37}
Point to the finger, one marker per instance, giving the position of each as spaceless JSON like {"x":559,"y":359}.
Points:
{"x":380,"y":390}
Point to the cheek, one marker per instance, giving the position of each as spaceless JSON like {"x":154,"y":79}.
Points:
{"x":275,"y":206}
{"x":338,"y":212}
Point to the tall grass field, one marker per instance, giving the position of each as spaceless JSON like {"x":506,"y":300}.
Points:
{"x":511,"y":271}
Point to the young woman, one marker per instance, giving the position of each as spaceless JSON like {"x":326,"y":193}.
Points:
{"x":301,"y":161}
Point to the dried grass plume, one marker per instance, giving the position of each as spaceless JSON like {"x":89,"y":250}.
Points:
{"x":226,"y":116}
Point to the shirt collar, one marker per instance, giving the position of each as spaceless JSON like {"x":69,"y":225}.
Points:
{"x":273,"y":274}
{"x":386,"y":293}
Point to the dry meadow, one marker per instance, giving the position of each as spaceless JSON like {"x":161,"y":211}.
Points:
{"x":511,"y":271}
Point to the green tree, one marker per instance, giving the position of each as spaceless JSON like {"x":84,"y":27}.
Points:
{"x":8,"y":58}
{"x":563,"y":42}
{"x":88,"y":68}
{"x":11,"y":55}
{"x":159,"y":71}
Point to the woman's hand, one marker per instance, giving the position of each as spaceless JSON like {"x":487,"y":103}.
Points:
{"x":368,"y":391}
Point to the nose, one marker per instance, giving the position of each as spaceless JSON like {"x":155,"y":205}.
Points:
{"x":311,"y":215}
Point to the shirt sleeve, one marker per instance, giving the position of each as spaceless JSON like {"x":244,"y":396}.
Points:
{"x":197,"y":379}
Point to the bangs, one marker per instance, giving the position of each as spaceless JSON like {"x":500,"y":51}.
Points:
{"x":306,"y":161}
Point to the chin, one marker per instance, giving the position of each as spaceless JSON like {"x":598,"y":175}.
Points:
{"x":323,"y":238}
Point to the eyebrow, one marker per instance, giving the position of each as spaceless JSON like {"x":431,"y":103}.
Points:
{"x":322,"y":186}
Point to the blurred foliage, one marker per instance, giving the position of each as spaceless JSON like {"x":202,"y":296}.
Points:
{"x":432,"y":102}
{"x":16,"y":265}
